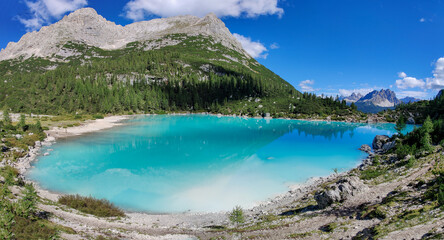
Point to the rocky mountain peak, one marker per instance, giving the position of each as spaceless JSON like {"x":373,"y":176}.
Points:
{"x":87,"y":11}
{"x":356,"y":96}
{"x":378,"y":100}
{"x":352,"y":98}
{"x":409,"y":100}
{"x":84,"y":17}
{"x":86,"y":26}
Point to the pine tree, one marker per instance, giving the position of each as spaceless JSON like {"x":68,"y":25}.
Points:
{"x":400,"y":124}
{"x":353,"y":106}
{"x":6,"y":117}
{"x":426,"y":140}
{"x":22,"y":122}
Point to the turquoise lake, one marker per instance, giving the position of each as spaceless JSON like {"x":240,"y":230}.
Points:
{"x":200,"y":163}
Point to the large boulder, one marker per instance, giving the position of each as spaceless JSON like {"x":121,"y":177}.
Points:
{"x":366,"y":148}
{"x":389,"y":145}
{"x":410,"y":120}
{"x":379,"y":141}
{"x":339,"y":191}
{"x":327,"y":197}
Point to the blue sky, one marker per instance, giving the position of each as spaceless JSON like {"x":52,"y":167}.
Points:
{"x":323,"y":46}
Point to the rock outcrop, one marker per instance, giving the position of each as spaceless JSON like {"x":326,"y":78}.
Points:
{"x":87,"y":27}
{"x":410,"y":120}
{"x":339,"y":191}
{"x":366,"y":148}
{"x":379,"y":141}
{"x":382,"y":144}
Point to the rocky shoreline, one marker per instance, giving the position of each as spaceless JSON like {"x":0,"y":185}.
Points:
{"x":289,"y":210}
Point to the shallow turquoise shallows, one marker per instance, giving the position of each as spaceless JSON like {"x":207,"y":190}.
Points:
{"x":200,"y":162}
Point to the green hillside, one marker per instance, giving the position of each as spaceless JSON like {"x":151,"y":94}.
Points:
{"x":419,"y":111}
{"x":197,"y":74}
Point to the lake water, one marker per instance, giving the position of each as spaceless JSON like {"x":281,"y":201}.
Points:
{"x":200,"y":162}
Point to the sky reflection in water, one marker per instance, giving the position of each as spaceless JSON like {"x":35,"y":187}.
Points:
{"x":200,"y":162}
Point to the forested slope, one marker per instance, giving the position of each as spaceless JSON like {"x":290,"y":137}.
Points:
{"x":197,"y":74}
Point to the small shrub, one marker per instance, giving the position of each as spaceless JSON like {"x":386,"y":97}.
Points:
{"x":98,"y":116}
{"x":441,"y":195}
{"x":403,"y":150}
{"x":371,"y":173}
{"x":26,"y":206}
{"x":90,"y":205}
{"x":300,"y":235}
{"x":410,"y":163}
{"x":377,"y":160}
{"x":329,"y":227}
{"x":374,"y":212}
{"x":30,"y":229}
{"x":30,"y":140}
{"x":236,"y":216}
{"x":9,"y":173}
{"x":106,"y":238}
{"x":440,"y":181}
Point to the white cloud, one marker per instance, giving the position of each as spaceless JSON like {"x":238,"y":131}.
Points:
{"x":348,"y":92}
{"x":139,"y":9}
{"x":437,"y":82}
{"x":307,"y":85}
{"x":422,"y":20}
{"x":274,"y":46}
{"x":255,"y":49}
{"x":402,"y":74}
{"x":409,"y":82}
{"x":44,"y":11}
{"x":415,"y":94}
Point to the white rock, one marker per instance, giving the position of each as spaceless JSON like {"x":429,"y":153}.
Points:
{"x":50,"y":139}
{"x":87,"y":27}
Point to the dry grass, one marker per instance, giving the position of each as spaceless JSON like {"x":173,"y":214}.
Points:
{"x":90,"y":205}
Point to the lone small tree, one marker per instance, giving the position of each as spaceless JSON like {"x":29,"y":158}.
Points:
{"x":400,"y":124}
{"x":6,"y":116}
{"x":426,"y":140}
{"x":353,"y":106}
{"x":38,"y":126}
{"x":236,"y":216}
{"x":22,"y":122}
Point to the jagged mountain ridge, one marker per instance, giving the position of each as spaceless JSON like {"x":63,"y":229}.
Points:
{"x":85,"y":26}
{"x":352,"y":98}
{"x":409,"y":100}
{"x":376,"y":101}
{"x":383,"y":98}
